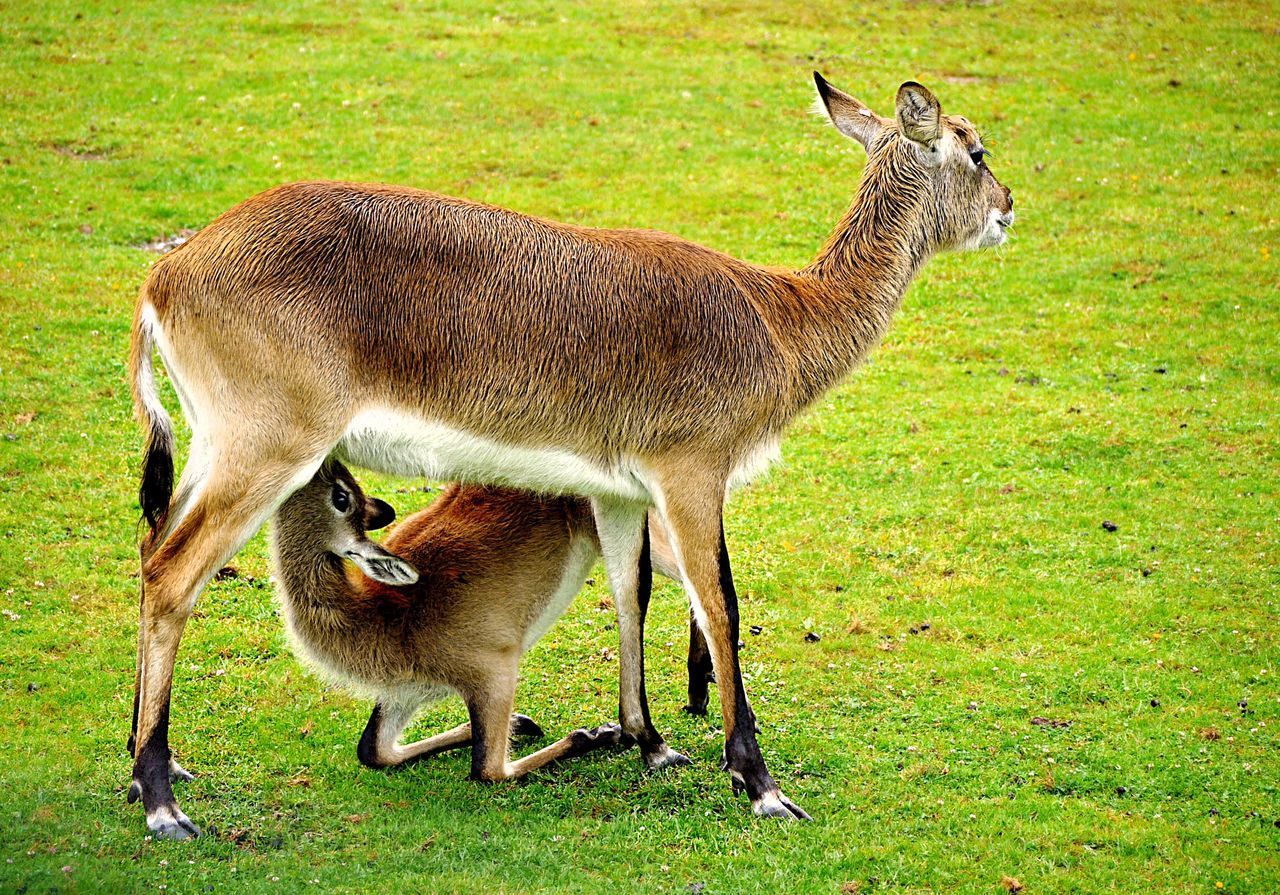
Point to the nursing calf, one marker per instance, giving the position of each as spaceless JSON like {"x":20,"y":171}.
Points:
{"x":450,"y":602}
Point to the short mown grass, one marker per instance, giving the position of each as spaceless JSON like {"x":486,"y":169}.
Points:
{"x":1003,"y":694}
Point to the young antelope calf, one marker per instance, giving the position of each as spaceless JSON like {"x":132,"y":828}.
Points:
{"x":457,"y":595}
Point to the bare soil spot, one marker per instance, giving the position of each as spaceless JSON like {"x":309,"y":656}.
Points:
{"x":162,"y":244}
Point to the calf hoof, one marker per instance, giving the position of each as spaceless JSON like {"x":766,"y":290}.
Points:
{"x":696,"y":708}
{"x":524,"y":726}
{"x":664,"y":757}
{"x":601,"y":737}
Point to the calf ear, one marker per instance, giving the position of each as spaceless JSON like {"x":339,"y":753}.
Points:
{"x":378,"y":514}
{"x":919,"y":114}
{"x":382,"y":565}
{"x":850,"y":117}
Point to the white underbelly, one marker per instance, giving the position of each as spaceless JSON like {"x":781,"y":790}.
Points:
{"x":403,"y":444}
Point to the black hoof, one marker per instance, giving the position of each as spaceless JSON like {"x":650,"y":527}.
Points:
{"x":598,"y":737}
{"x":168,"y":822}
{"x":696,"y":709}
{"x":775,"y":804}
{"x":665,"y":757}
{"x":524,"y":726}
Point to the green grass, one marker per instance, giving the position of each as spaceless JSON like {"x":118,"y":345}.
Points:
{"x":1117,"y":362}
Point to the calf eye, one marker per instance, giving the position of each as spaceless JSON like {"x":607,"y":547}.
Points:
{"x":341,"y":500}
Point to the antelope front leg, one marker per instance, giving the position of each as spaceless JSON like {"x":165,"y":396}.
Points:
{"x":696,"y":526}
{"x":624,"y":541}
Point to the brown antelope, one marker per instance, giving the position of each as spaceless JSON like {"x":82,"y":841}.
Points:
{"x":449,"y":602}
{"x":413,"y":333}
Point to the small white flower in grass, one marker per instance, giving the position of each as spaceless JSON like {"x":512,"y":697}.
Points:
{"x":297,"y":106}
{"x":164,"y":863}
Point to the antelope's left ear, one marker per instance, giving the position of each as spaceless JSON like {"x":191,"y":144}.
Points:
{"x":919,"y":114}
{"x":378,"y":514}
{"x":851,"y":118}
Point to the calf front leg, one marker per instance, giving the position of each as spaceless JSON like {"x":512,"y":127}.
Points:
{"x":380,"y":745}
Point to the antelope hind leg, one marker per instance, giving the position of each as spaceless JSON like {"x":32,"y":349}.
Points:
{"x":236,"y":501}
{"x":700,"y":671}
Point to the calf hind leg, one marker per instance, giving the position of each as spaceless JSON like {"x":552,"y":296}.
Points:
{"x":490,"y":711}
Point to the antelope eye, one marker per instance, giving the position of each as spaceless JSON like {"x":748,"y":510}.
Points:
{"x":341,"y":499}
{"x":976,"y":155}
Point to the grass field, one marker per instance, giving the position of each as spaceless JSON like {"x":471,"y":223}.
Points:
{"x":1004,"y":693}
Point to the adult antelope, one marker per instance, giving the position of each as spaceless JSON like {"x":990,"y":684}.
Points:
{"x":414,"y":333}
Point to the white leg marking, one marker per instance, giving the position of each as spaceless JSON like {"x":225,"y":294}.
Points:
{"x":619,"y":526}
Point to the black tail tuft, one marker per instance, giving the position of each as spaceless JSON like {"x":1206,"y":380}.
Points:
{"x":157,"y":477}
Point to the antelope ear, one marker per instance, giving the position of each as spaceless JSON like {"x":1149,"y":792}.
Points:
{"x":919,"y":114}
{"x":378,"y":514}
{"x":381,"y":565}
{"x":849,"y":116}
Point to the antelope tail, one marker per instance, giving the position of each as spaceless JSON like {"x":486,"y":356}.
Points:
{"x":157,"y":467}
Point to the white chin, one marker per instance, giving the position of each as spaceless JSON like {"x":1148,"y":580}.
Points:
{"x":991,"y":237}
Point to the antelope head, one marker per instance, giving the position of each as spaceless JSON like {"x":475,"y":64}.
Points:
{"x":938,"y":157}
